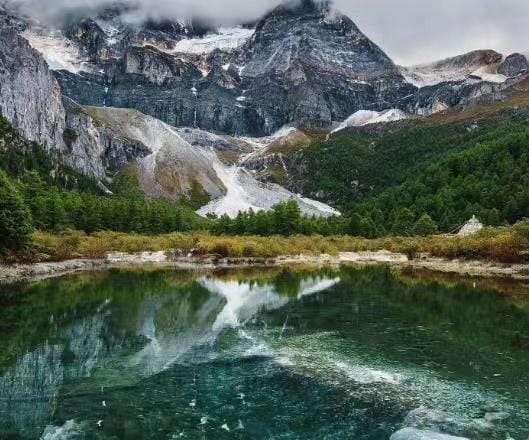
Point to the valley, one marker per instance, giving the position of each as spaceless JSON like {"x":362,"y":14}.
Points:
{"x":224,"y":220}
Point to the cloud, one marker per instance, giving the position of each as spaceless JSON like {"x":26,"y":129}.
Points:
{"x":218,"y":11}
{"x":410,"y":31}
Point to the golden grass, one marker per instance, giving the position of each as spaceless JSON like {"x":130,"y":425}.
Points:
{"x":71,"y":244}
{"x":505,"y":244}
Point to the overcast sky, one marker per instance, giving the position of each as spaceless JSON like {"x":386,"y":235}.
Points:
{"x":410,"y":31}
{"x":413,"y":31}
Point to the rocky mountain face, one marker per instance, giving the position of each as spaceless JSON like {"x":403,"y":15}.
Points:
{"x":464,"y":94}
{"x":167,"y":166}
{"x":97,"y":148}
{"x":300,"y":64}
{"x":464,"y":80}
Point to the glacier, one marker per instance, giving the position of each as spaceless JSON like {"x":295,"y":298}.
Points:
{"x":227,"y":40}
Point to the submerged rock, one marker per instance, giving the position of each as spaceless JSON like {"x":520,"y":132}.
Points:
{"x":433,"y":419}
{"x":417,"y":434}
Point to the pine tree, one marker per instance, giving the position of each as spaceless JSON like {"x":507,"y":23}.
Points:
{"x":403,"y":223}
{"x":425,"y":226}
{"x":15,"y":218}
{"x":355,"y":225}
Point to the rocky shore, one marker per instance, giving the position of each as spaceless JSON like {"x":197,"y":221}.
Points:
{"x":473,"y":268}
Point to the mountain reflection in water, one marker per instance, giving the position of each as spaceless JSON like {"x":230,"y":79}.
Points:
{"x":364,"y":353}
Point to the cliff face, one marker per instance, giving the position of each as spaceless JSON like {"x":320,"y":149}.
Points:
{"x":31,"y":101}
{"x":30,"y":97}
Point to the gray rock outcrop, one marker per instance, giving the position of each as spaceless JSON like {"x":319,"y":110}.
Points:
{"x":513,"y":65}
{"x":94,"y":149}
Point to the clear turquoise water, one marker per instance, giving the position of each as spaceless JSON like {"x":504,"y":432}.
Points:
{"x":356,"y":353}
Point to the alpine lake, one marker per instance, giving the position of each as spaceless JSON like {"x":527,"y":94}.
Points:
{"x":340,"y":353}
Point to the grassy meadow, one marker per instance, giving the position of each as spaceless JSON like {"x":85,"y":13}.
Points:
{"x":507,"y":244}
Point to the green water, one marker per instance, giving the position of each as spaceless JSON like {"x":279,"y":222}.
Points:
{"x":356,"y":353}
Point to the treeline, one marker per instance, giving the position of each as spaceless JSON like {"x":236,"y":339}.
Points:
{"x":30,"y":204}
{"x":57,"y":210}
{"x":283,"y":219}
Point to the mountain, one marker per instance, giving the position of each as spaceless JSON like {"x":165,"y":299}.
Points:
{"x":465,"y":80}
{"x":318,"y":66}
{"x":301,"y":63}
{"x":313,"y":63}
{"x":221,"y":118}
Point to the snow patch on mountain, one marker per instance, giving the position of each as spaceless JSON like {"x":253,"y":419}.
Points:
{"x":59,"y":52}
{"x":263,"y":142}
{"x":227,"y":40}
{"x":423,"y":76}
{"x":486,"y":75}
{"x":366,"y":117}
{"x":479,"y":64}
{"x":319,"y":206}
{"x":237,"y":197}
{"x":244,"y":192}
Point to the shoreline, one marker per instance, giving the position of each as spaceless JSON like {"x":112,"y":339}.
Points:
{"x":472,"y":268}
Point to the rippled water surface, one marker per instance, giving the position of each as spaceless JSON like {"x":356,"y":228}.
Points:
{"x":356,"y":353}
